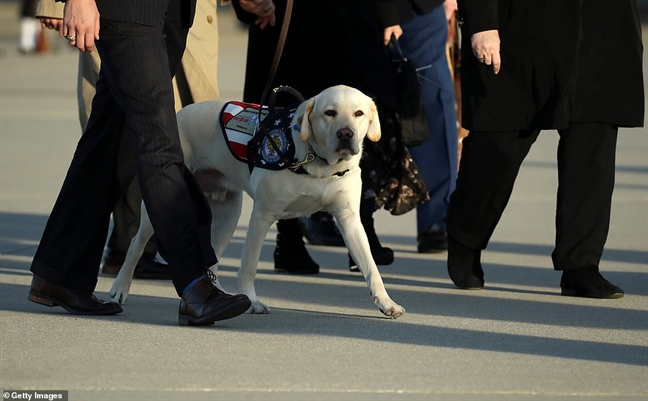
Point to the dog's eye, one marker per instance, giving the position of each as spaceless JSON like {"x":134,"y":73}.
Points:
{"x":330,"y":113}
{"x":359,"y":113}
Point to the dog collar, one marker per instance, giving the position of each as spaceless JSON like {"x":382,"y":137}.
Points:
{"x":298,"y":167}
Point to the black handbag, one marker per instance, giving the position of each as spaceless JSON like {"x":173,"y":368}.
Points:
{"x":411,"y":111}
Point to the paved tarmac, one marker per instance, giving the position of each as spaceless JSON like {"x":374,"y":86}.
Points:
{"x":517,"y":339}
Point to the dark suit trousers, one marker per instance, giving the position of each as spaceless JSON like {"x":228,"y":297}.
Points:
{"x":490,"y":163}
{"x":132,"y":130}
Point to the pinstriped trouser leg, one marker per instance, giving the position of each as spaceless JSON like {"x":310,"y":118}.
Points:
{"x":132,"y":128}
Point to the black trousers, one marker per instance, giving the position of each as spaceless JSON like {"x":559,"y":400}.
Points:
{"x":132,"y":131}
{"x":490,"y":164}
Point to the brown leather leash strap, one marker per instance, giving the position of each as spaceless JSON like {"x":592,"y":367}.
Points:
{"x":277,"y":56}
{"x":255,"y":142}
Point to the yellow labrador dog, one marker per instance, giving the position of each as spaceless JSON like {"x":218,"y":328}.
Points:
{"x":327,"y":131}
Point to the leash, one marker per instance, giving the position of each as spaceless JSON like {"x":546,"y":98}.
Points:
{"x":278,"y":51}
{"x":254,"y":144}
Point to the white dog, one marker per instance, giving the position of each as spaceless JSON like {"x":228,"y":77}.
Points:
{"x":327,"y":131}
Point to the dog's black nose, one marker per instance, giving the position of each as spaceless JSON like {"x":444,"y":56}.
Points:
{"x":345,"y":133}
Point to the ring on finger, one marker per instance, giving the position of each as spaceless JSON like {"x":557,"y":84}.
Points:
{"x":71,"y":38}
{"x":482,"y":59}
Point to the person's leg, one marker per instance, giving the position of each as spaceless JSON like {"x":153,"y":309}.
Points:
{"x":125,"y":215}
{"x":424,"y":42}
{"x":489,"y":166}
{"x":139,"y":62}
{"x":586,"y":167}
{"x":290,"y":254}
{"x":28,"y":35}
{"x":28,"y":27}
{"x":178,"y":210}
{"x":66,"y":262}
{"x":137,"y":66}
{"x":70,"y":249}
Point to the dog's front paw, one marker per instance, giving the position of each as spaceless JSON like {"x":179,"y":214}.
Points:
{"x":119,"y":292}
{"x":390,"y":308}
{"x":258,"y":308}
{"x":395,"y":311}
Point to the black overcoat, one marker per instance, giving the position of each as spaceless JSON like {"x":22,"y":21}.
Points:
{"x":562,"y":61}
{"x":329,"y":42}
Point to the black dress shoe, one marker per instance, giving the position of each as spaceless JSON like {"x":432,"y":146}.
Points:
{"x":464,"y":266}
{"x":203,"y":304}
{"x":588,"y":283}
{"x":77,"y":302}
{"x":434,"y":239}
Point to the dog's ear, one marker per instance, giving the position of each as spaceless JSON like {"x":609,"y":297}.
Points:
{"x":373,"y":133}
{"x":302,"y":116}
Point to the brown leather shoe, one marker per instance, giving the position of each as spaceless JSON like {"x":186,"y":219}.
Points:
{"x":204,"y":304}
{"x":77,"y":302}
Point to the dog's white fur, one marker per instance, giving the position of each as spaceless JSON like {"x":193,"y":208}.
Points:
{"x":334,"y":123}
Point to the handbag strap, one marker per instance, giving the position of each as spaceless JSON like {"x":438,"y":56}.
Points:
{"x":393,"y":43}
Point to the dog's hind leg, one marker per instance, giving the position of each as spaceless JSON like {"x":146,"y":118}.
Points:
{"x":257,"y":230}
{"x":122,"y":283}
{"x":358,"y":245}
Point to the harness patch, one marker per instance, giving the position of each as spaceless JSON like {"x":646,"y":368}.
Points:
{"x":239,"y":122}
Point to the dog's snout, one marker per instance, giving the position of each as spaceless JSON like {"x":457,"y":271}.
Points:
{"x":346,"y":142}
{"x":345,"y":133}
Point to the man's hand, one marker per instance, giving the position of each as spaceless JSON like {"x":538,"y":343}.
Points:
{"x":264,"y":9}
{"x":395,"y":30}
{"x":51,"y":23}
{"x":486,"y":47}
{"x":450,"y":6}
{"x":80,"y":24}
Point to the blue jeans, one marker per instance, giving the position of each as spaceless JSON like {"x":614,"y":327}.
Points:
{"x":424,"y":42}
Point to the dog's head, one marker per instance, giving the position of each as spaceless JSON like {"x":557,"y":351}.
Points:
{"x":336,"y":121}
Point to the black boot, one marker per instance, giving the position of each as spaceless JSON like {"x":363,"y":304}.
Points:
{"x":434,"y":239}
{"x":587,"y":282}
{"x":464,"y":266}
{"x":290,"y":254}
{"x":382,"y":255}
